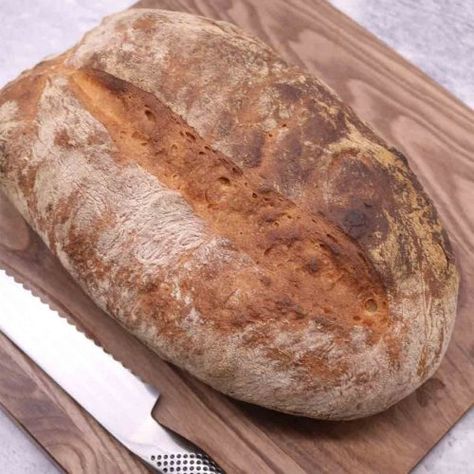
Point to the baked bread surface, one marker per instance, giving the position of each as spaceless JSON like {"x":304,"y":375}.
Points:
{"x":232,"y":213}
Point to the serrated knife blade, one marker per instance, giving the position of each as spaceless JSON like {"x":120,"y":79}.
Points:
{"x":120,"y":401}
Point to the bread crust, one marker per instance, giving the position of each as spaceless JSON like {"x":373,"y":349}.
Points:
{"x":231,"y":212}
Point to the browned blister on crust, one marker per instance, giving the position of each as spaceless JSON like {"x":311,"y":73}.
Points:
{"x":232,"y":213}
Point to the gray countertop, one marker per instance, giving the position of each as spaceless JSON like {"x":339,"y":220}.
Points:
{"x":436,"y":35}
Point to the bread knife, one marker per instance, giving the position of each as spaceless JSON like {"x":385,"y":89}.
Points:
{"x":120,"y":401}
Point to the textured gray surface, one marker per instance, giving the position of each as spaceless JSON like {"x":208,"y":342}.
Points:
{"x":436,"y":35}
{"x":18,"y":454}
{"x":33,"y":29}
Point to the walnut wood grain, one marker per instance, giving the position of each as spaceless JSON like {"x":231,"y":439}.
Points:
{"x":412,"y":112}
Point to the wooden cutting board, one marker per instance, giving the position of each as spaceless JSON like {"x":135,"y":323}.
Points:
{"x":435,"y":131}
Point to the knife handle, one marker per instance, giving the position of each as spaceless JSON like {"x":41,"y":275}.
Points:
{"x":192,"y":463}
{"x":169,"y":453}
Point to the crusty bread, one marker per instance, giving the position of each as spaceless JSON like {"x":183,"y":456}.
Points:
{"x":232,"y":213}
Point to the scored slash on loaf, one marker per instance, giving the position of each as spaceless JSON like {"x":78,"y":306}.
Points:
{"x":232,"y":213}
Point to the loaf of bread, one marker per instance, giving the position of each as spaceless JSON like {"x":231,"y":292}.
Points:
{"x":229,"y":211}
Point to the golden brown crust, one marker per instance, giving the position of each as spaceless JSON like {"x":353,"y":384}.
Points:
{"x":231,"y":212}
{"x":302,"y":255}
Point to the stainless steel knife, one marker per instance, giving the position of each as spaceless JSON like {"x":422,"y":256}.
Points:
{"x":115,"y":397}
